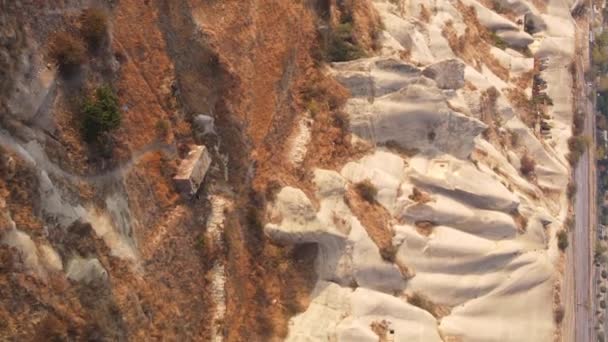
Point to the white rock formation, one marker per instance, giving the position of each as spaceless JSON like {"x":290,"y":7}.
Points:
{"x":487,"y":253}
{"x":86,"y":270}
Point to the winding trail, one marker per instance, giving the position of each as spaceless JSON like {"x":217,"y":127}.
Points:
{"x":33,"y":154}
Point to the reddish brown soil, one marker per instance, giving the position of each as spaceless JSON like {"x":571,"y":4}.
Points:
{"x":249,"y":64}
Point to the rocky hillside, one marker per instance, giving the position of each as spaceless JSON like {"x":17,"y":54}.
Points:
{"x":380,"y":170}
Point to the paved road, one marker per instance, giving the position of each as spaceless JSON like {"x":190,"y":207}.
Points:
{"x":582,"y":237}
{"x":582,"y":248}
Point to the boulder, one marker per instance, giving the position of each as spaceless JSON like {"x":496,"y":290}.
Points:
{"x":448,"y":74}
{"x":86,"y":270}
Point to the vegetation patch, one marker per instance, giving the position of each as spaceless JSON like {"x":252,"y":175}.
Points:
{"x":571,"y":190}
{"x":562,"y":240}
{"x":420,"y":196}
{"x":520,"y":221}
{"x":163,"y":128}
{"x":367,"y":190}
{"x":343,"y":46}
{"x":425,"y":227}
{"x":381,"y":329}
{"x":94,"y":25}
{"x":577,"y":146}
{"x":558,"y":314}
{"x":599,"y":252}
{"x":67,"y":51}
{"x":101,"y":113}
{"x":527,"y":165}
{"x":425,"y":303}
{"x":375,"y":219}
{"x":474,"y":45}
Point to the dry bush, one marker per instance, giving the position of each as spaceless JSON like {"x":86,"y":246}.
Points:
{"x":343,"y":45}
{"x":425,"y":227}
{"x":425,"y":14}
{"x":380,"y":328}
{"x":527,"y":165}
{"x":67,"y":51}
{"x":51,"y":329}
{"x":526,"y":109}
{"x":425,"y":303}
{"x":525,"y":79}
{"x":562,"y":240}
{"x":577,"y":146}
{"x":578,"y":123}
{"x":388,"y":253}
{"x":94,"y":25}
{"x":515,"y":139}
{"x":367,"y":190}
{"x":571,"y":190}
{"x":163,"y":127}
{"x":569,"y":223}
{"x":520,"y":221}
{"x":420,"y":196}
{"x":488,"y":105}
{"x":558,"y":314}
{"x":398,"y":148}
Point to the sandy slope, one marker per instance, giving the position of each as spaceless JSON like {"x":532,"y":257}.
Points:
{"x":489,"y":258}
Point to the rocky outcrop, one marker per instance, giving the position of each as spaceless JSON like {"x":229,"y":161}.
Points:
{"x":473,"y":238}
{"x":448,"y":74}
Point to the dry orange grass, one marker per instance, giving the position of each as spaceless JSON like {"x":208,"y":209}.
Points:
{"x":376,"y":221}
{"x":425,"y":14}
{"x":523,"y":106}
{"x":474,"y":46}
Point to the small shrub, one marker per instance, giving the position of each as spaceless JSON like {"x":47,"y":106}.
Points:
{"x":425,"y":227}
{"x":273,"y":187}
{"x":341,"y":120}
{"x":569,"y":223}
{"x":577,"y":146}
{"x":603,"y":289}
{"x":528,"y":165}
{"x":425,"y":14}
{"x":67,"y":51}
{"x":313,"y":107}
{"x":367,"y":190}
{"x":599,"y":252}
{"x":497,"y":41}
{"x":571,"y":190}
{"x":542,"y":98}
{"x":51,"y":329}
{"x":562,"y":240}
{"x":94,"y":25}
{"x":425,"y":303}
{"x":342,"y":44}
{"x":420,"y":196}
{"x":558,"y":314}
{"x":515,"y":139}
{"x":162,"y":128}
{"x":101,"y":113}
{"x":602,"y":304}
{"x":388,"y":253}
{"x":578,"y":123}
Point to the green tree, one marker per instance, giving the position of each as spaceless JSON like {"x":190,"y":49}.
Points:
{"x":101,"y":113}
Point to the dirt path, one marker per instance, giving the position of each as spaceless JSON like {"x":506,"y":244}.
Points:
{"x":35,"y":156}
